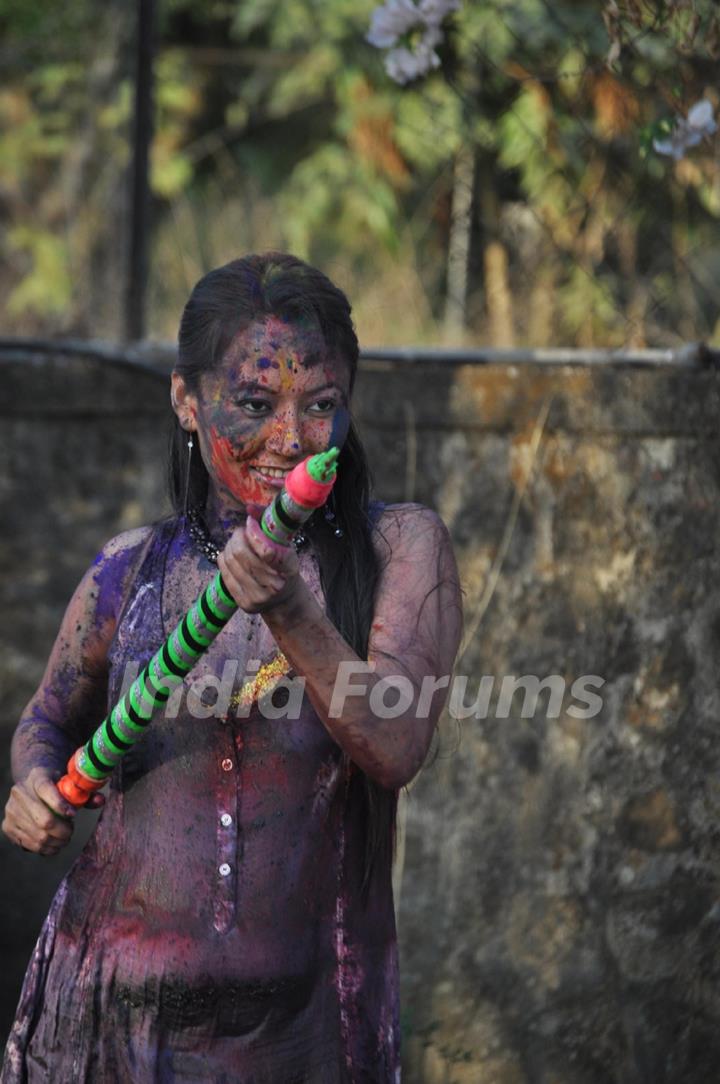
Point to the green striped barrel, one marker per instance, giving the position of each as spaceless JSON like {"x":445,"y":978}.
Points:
{"x":128,"y":720}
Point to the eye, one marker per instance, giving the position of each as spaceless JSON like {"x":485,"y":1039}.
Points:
{"x":323,"y":406}
{"x":256,"y":408}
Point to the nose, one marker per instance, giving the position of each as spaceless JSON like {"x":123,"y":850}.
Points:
{"x":285,"y":436}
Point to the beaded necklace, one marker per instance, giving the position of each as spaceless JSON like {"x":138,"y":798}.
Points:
{"x":197,"y":529}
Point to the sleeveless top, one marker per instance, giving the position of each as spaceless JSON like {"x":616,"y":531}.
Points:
{"x":213,"y":928}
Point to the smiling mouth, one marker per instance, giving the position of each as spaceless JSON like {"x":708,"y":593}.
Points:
{"x":272,"y":472}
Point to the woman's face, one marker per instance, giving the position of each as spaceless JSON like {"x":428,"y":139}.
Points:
{"x":275,"y":398}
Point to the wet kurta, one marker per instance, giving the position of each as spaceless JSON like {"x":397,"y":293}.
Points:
{"x":213,"y":928}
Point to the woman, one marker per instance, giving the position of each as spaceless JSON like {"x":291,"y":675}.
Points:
{"x":231,"y":918}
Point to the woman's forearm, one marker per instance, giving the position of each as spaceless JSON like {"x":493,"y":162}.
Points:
{"x":390,"y":751}
{"x":39,"y":743}
{"x":67,"y":706}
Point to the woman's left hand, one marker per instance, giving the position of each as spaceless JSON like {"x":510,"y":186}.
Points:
{"x":258,"y":573}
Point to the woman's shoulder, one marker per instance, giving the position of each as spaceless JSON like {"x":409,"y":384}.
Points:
{"x":98,"y":597}
{"x":412,"y":527}
{"x":119,"y":560}
{"x":127,"y":543}
{"x":407,"y":515}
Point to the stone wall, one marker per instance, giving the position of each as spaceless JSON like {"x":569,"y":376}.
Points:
{"x":559,"y":908}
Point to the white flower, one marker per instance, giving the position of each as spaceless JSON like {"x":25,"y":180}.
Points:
{"x":391,"y":21}
{"x":398,"y":17}
{"x":675,"y":145}
{"x":688,"y":133}
{"x":404,"y":65}
{"x":700,"y":121}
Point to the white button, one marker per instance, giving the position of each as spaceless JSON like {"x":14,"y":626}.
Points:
{"x":226,"y":764}
{"x":224,"y":869}
{"x":226,"y":820}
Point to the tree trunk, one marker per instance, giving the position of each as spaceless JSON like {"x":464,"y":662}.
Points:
{"x":459,"y":246}
{"x":636,"y":293}
{"x":498,"y":299}
{"x":688,"y":317}
{"x":542,"y":303}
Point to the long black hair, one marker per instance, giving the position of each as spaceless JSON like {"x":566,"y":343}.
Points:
{"x":223,"y":303}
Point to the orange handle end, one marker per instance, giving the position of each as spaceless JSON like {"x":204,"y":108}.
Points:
{"x":76,"y":787}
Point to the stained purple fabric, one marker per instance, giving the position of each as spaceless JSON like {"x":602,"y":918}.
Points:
{"x":213,"y":928}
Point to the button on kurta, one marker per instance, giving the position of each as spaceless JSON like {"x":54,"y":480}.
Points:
{"x":228,"y":759}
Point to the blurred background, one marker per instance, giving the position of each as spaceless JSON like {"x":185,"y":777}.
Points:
{"x":530,"y":194}
{"x":510,"y":196}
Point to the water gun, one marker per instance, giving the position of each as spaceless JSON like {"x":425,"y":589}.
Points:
{"x":306,"y":488}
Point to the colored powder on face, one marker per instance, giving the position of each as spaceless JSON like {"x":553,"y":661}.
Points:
{"x":233,"y":475}
{"x":286,"y":376}
{"x":288,"y":360}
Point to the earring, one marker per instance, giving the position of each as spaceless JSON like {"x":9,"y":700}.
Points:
{"x":190,"y":446}
{"x":330,"y":517}
{"x":299,"y":540}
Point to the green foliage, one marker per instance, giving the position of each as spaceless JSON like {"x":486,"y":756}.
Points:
{"x":178,"y":100}
{"x":306,"y":82}
{"x":45,"y":287}
{"x":430,"y":126}
{"x":276,"y":125}
{"x":588,"y":311}
{"x":328,"y":192}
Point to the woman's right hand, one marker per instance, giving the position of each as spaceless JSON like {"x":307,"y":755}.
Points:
{"x":37,"y":817}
